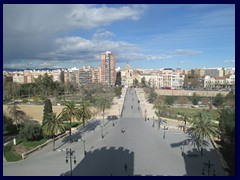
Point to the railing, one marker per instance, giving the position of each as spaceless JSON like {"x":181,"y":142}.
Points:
{"x":26,"y":154}
{"x":223,"y":162}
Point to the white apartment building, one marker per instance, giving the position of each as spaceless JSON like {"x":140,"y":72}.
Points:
{"x":166,"y":80}
{"x":218,"y":82}
{"x":229,"y":71}
{"x":231,"y":80}
{"x":18,"y":77}
{"x":56,"y":74}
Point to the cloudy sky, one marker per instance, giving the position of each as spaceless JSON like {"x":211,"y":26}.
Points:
{"x":146,"y":36}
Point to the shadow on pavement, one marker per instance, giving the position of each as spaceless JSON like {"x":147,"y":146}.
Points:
{"x":105,"y":162}
{"x":194,"y":163}
{"x":90,"y":126}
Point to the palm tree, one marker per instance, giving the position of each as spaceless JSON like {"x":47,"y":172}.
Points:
{"x":53,"y":125}
{"x":18,"y":115}
{"x":70,"y":111}
{"x":84,"y":113}
{"x":103,"y":104}
{"x":184,"y":117}
{"x":159,"y":107}
{"x":203,"y":128}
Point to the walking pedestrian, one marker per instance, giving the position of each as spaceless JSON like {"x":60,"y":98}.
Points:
{"x":125,"y":166}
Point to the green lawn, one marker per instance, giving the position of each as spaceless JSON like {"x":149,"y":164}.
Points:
{"x":33,"y":144}
{"x":173,"y":112}
{"x":73,"y":124}
{"x":212,"y":113}
{"x":9,"y":155}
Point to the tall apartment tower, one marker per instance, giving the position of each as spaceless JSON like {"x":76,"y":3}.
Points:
{"x":108,"y":68}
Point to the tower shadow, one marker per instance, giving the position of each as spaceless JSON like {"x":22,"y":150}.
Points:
{"x":105,"y":162}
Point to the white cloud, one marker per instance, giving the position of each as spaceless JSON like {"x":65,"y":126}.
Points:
{"x":230,"y":61}
{"x":183,"y":61}
{"x":89,"y":50}
{"x":38,"y":25}
{"x":101,"y":34}
{"x":86,"y":16}
{"x":78,"y":51}
{"x":186,"y":52}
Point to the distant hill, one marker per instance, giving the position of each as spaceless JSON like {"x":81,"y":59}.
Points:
{"x":41,"y":69}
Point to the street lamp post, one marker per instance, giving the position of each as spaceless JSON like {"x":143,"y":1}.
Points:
{"x":119,"y":112}
{"x":145,"y":114}
{"x":208,"y":167}
{"x":159,"y":124}
{"x":112,"y":122}
{"x":70,"y":155}
{"x":85,"y":152}
{"x":102,"y":131}
{"x":183,"y":148}
{"x":164,"y":132}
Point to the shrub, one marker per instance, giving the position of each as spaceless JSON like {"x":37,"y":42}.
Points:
{"x":31,"y":131}
{"x":152,"y":96}
{"x":169,"y":100}
{"x":8,"y":125}
{"x":73,"y":124}
{"x":195,"y":99}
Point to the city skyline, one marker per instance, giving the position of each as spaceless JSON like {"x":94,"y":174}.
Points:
{"x":145,"y":36}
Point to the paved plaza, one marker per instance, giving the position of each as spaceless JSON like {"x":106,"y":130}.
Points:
{"x":131,"y":146}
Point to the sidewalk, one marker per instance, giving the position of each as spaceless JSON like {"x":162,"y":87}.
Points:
{"x":145,"y":105}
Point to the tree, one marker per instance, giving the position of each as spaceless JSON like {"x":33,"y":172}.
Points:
{"x":195,"y":99}
{"x":48,"y":84}
{"x":202,"y":128}
{"x":72,"y":89}
{"x":182,"y":100}
{"x":118,"y":79}
{"x":159,"y":107}
{"x":31,"y":131}
{"x":103,"y":104}
{"x":8,"y":124}
{"x":152,"y":96}
{"x":169,"y":100}
{"x":143,"y":81}
{"x":53,"y":126}
{"x":135,"y":82}
{"x":118,"y":91}
{"x":70,"y":112}
{"x":230,"y":99}
{"x":227,"y":124}
{"x":47,"y":110}
{"x":18,"y":116}
{"x":185,"y":118}
{"x":191,"y":81}
{"x":84,"y":113}
{"x":205,"y":100}
{"x":218,"y":100}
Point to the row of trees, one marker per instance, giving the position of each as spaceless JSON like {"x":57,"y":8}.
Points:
{"x":218,"y":101}
{"x":202,"y":127}
{"x":54,"y":124}
{"x":45,"y":87}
